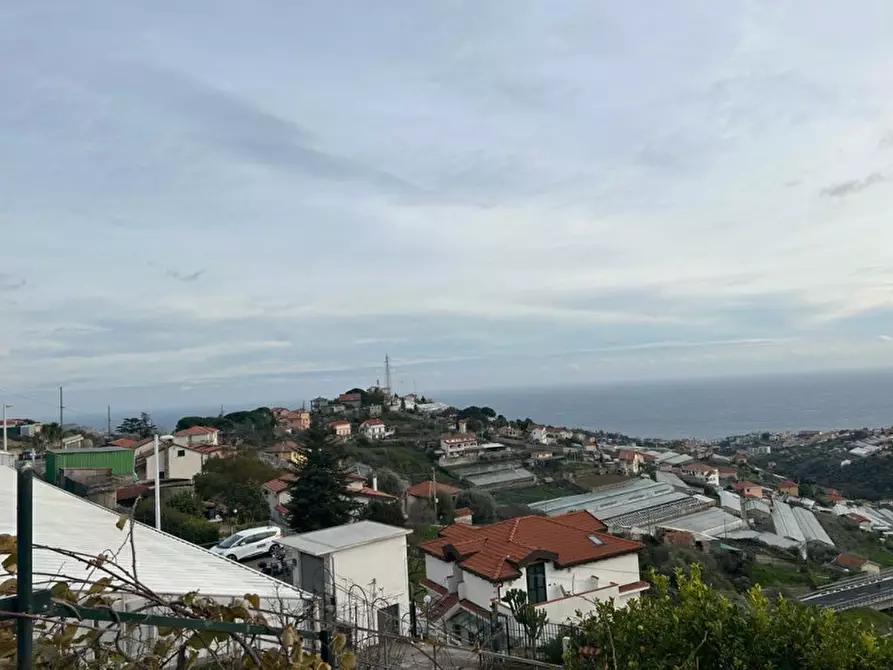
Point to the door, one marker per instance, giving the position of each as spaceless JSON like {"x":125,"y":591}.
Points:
{"x":389,"y":620}
{"x":313,"y":574}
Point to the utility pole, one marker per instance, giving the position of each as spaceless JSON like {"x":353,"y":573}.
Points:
{"x":61,"y":408}
{"x":4,"y":425}
{"x":434,"y":491}
{"x":109,"y":408}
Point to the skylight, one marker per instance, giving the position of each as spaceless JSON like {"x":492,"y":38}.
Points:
{"x":595,"y":540}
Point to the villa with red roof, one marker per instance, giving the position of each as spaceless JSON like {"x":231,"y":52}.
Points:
{"x":564,"y":563}
{"x":196,"y":435}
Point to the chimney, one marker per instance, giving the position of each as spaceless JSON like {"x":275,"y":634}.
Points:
{"x":374,"y":482}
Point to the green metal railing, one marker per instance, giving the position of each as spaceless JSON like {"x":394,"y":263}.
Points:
{"x":28,"y":603}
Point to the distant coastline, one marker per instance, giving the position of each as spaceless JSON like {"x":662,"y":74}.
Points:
{"x":704,"y":409}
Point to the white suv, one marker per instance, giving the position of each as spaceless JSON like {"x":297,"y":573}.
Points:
{"x":248,"y":543}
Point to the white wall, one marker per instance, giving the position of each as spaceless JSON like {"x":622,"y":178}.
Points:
{"x":381,"y":570}
{"x":186,"y":466}
{"x":477,"y":590}
{"x":439,"y":572}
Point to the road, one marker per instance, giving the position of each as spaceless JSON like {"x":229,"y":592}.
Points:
{"x":853,"y":592}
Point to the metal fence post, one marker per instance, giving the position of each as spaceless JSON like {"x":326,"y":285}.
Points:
{"x":24,"y":586}
{"x":325,"y":646}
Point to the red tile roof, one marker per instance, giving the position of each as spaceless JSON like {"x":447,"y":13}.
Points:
{"x":849,"y":561}
{"x":282,"y":509}
{"x":124,"y":442}
{"x":349,"y":397}
{"x":426,"y":490}
{"x":858,"y":518}
{"x":462,"y":511}
{"x":339,"y":422}
{"x":634,"y":586}
{"x":371,"y":493}
{"x":497,"y":552}
{"x":434,"y":586}
{"x":196,"y":430}
{"x":279,"y":484}
{"x":372,"y":422}
{"x":787,"y":483}
{"x":698,"y":467}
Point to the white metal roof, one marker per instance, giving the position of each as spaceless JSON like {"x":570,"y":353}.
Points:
{"x":339,"y":538}
{"x":164,"y":563}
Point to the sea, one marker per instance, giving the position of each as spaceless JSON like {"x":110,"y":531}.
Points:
{"x":703,"y":409}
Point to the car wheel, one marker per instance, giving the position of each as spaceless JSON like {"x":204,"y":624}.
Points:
{"x":232,"y":557}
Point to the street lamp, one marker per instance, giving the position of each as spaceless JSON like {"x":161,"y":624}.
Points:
{"x":158,"y":481}
{"x":5,"y":407}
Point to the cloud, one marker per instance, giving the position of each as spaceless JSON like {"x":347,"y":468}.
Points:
{"x":854,"y":186}
{"x":186,"y":278}
{"x":477,"y":198}
{"x":9,"y":283}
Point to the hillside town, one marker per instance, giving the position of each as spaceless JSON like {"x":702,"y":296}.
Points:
{"x":452,"y":510}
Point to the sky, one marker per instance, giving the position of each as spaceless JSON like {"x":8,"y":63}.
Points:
{"x":220,"y":201}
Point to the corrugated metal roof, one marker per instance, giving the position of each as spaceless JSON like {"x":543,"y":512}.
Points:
{"x":671,"y":479}
{"x":605,"y":500}
{"x":730,"y":501}
{"x":339,"y":538}
{"x":712,"y":522}
{"x":164,"y":563}
{"x":811,"y":527}
{"x":786,"y":523}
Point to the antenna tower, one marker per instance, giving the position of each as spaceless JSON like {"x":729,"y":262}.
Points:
{"x":387,"y":373}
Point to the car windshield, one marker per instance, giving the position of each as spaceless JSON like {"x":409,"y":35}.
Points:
{"x":230,"y":541}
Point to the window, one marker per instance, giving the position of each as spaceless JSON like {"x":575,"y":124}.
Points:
{"x":181,"y":453}
{"x":536,"y":583}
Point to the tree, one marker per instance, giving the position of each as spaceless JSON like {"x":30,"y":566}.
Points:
{"x":318,"y":498}
{"x":221,"y":475}
{"x":51,"y":433}
{"x":695,"y":626}
{"x":446,"y":509}
{"x":141,"y":426}
{"x":384,"y":512}
{"x":531,"y":619}
{"x":248,"y":501}
{"x":187,"y":503}
{"x":481,"y":503}
{"x":390,"y":482}
{"x":190,"y":528}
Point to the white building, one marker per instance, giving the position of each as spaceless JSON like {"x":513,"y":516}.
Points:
{"x":702,"y":472}
{"x":73,"y":442}
{"x":374,"y":429}
{"x":176,"y":461}
{"x":197,"y":435}
{"x":564,"y":564}
{"x":362,"y":566}
{"x":458,"y":444}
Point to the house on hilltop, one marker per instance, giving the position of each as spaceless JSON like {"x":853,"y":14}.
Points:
{"x":853,"y":563}
{"x":197,"y":435}
{"x":374,"y":429}
{"x":340,"y":428}
{"x":789,"y":487}
{"x":564,"y":564}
